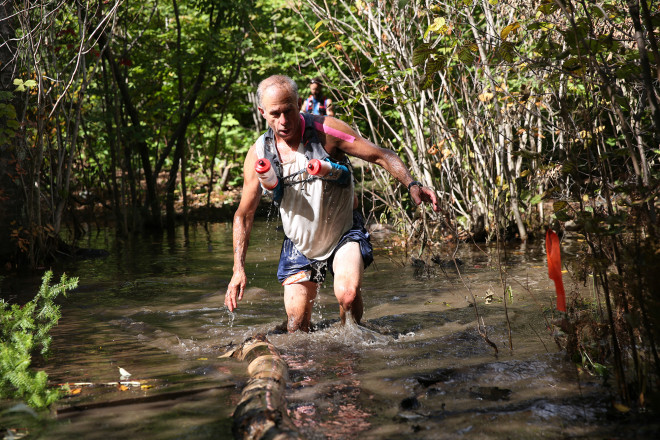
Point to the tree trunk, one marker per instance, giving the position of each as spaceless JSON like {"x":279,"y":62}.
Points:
{"x":11,"y":196}
{"x":261,"y":413}
{"x":141,"y":146}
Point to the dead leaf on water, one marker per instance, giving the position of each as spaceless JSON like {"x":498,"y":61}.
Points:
{"x":122,"y":387}
{"x":489,"y":296}
{"x":16,"y":433}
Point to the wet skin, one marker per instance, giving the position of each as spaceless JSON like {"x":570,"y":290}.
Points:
{"x":280,"y":108}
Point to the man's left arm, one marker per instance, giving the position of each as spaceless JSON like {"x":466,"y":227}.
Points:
{"x":342,"y":137}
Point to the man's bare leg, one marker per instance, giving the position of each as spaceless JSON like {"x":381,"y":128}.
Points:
{"x":298,"y":302}
{"x":348,"y":268}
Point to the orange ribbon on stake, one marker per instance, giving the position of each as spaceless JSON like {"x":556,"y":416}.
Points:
{"x":554,"y":267}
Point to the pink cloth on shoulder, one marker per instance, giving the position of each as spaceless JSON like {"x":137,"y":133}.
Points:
{"x":334,"y":132}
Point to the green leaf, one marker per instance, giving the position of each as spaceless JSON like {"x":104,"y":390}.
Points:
{"x":466,"y":53}
{"x":426,"y":81}
{"x":574,"y":65}
{"x":536,"y":199}
{"x":563,"y":216}
{"x":560,"y":206}
{"x":318,"y":25}
{"x":435,"y":65}
{"x":20,"y":85}
{"x":548,"y":7}
{"x":421,"y":54}
{"x":506,"y":51}
{"x":622,"y":102}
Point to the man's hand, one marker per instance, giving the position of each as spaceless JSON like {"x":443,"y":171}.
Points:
{"x":421,"y":194}
{"x":235,"y":289}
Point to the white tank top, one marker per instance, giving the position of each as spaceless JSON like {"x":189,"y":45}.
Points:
{"x":315,"y":214}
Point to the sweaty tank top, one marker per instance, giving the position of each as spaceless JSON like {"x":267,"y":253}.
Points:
{"x":315,"y":214}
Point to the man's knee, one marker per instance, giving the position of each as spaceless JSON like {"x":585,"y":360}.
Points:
{"x":347,"y":294}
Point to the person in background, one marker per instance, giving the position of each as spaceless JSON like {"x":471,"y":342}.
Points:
{"x":322,"y":229}
{"x":317,"y":103}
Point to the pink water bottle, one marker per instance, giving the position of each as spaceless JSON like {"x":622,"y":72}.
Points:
{"x":266,"y":174}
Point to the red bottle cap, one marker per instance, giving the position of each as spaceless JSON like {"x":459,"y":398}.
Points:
{"x":314,"y":167}
{"x":262,"y":166}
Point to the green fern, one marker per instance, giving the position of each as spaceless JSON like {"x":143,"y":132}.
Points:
{"x":25,"y":331}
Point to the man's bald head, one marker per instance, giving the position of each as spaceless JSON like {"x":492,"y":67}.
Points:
{"x":279,"y":81}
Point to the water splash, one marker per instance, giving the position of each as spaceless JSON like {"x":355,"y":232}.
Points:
{"x":231,"y":316}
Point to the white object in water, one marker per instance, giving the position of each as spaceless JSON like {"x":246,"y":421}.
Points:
{"x":123,"y":373}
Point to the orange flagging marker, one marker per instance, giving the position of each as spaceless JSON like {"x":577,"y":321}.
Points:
{"x":554,"y":267}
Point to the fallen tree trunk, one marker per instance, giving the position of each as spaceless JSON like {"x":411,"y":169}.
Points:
{"x":261,"y":413}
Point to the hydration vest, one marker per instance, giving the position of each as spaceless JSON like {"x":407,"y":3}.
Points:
{"x":309,"y":105}
{"x":312,"y":149}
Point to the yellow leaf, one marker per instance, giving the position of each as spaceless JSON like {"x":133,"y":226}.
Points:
{"x":325,"y":43}
{"x":74,"y":391}
{"x":202,"y":359}
{"x":485,"y":96}
{"x":585,"y":198}
{"x":524,"y":173}
{"x":510,"y":28}
{"x":621,"y":408}
{"x":318,"y":25}
{"x":437,"y":24}
{"x":123,"y":387}
{"x":146,"y":387}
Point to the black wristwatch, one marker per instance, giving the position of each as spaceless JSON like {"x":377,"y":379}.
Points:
{"x":415,"y":182}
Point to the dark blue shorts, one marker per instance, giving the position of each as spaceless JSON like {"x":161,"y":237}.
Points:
{"x":296,"y":268}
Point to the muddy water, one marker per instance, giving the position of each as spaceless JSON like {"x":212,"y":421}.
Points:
{"x":419,"y":368}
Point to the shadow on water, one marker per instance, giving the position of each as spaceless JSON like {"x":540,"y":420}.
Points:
{"x":417,"y":369}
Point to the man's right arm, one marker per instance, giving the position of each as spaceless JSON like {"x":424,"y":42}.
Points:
{"x":243,"y":221}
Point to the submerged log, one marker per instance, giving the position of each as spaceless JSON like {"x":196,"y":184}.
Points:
{"x":261,"y":413}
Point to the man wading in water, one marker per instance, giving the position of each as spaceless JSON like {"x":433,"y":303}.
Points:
{"x":322,"y":228}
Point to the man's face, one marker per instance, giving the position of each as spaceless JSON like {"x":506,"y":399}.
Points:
{"x":317,"y":90}
{"x":282,"y":112}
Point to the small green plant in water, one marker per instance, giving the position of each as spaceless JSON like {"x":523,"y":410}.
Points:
{"x":25,"y":331}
